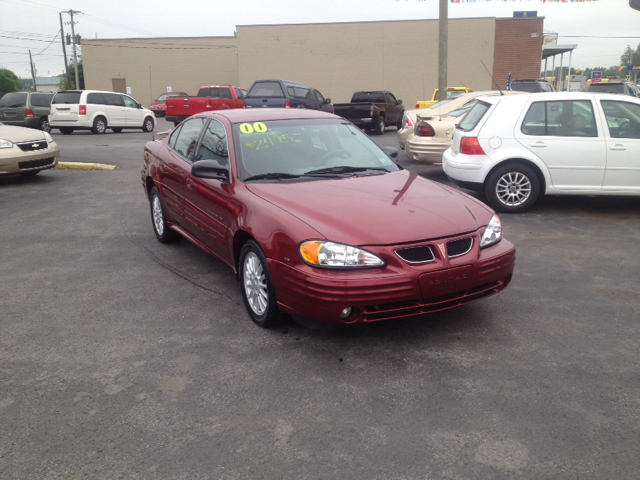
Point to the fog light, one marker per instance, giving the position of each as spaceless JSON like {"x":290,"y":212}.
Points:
{"x":345,"y":313}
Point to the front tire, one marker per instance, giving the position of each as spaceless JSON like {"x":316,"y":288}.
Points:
{"x":512,"y":188}
{"x":159,"y":220}
{"x":380,"y":125}
{"x":148,"y":125}
{"x":257,"y":288}
{"x":99,"y":125}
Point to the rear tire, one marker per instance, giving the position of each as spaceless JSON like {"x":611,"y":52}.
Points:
{"x":44,"y":124}
{"x":99,"y":125}
{"x":512,"y":188}
{"x":66,"y":130}
{"x":380,"y":125}
{"x":399,"y":124}
{"x":148,"y":125}
{"x":159,"y":220}
{"x":257,"y":288}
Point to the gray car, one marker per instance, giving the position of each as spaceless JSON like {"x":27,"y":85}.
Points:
{"x":26,"y":109}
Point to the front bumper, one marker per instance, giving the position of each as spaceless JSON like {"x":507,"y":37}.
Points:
{"x":14,"y":160}
{"x":397,"y":291}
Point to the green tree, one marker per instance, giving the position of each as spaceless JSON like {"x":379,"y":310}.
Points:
{"x":72,"y":78}
{"x":630,"y":56}
{"x":9,"y":82}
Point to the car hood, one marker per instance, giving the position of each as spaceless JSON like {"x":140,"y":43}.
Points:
{"x":20,"y":134}
{"x":394,"y":208}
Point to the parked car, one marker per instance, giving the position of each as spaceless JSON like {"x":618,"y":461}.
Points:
{"x":26,"y":109}
{"x":622,"y":88}
{"x":519,"y":147}
{"x":159,"y":105}
{"x":532,"y":86}
{"x":26,"y":151}
{"x":452,"y":92}
{"x":283,"y":196}
{"x":439,"y":109}
{"x":210,"y":98}
{"x":373,"y":110}
{"x":96,"y":111}
{"x":286,"y":94}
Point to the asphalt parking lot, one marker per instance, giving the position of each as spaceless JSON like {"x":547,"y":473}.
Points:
{"x":121,"y":357}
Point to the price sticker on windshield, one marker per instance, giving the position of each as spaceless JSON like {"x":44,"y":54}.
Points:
{"x":257,"y":127}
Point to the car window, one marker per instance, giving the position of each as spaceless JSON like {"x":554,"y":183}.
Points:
{"x":225,"y":93}
{"x":214,"y":144}
{"x":95,"y":98}
{"x":439,"y":104}
{"x":204,"y":92}
{"x":129,"y":102}
{"x":67,"y":98}
{"x":174,"y":137}
{"x":298,"y":92}
{"x":531,"y":87}
{"x":569,"y":118}
{"x":296,"y":147}
{"x":240,"y":93}
{"x":164,"y":96}
{"x":391,"y":99}
{"x":187,"y":139}
{"x":454,"y":93}
{"x":368,"y":97}
{"x":41,"y":99}
{"x":471,"y":120}
{"x":623,"y":118}
{"x":606,"y":88}
{"x":266,"y":89}
{"x":113,"y":99}
{"x":319,"y":97}
{"x":13,"y":100}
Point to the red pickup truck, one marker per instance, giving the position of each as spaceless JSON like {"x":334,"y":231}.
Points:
{"x":214,"y":97}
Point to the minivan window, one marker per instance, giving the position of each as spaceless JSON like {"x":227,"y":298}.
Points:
{"x":471,"y":120}
{"x":114,"y":99}
{"x":266,"y":89}
{"x":14,"y":100}
{"x":41,"y":99}
{"x":67,"y":98}
{"x":95,"y":98}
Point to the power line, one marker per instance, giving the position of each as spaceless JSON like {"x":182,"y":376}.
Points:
{"x":49,"y":44}
{"x":24,"y":38}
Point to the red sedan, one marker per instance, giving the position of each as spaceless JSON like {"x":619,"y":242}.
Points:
{"x":159,"y":105}
{"x":318,"y":221}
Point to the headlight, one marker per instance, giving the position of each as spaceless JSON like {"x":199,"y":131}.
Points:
{"x":329,"y":254}
{"x":48,"y":137}
{"x":492,"y":234}
{"x":5,"y":143}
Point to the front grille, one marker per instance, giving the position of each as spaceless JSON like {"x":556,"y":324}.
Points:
{"x":421,"y":254}
{"x":459,"y":247}
{"x":33,"y":146}
{"x":44,"y":162}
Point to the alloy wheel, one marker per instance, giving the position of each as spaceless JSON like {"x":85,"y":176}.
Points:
{"x":255,"y":285}
{"x":513,"y":189}
{"x":158,"y":217}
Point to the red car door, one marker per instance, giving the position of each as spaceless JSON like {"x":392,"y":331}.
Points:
{"x":209,"y":206}
{"x":176,"y":165}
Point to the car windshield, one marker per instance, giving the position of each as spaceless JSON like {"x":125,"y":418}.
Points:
{"x":13,"y":100}
{"x":439,"y":104}
{"x":306,"y":149}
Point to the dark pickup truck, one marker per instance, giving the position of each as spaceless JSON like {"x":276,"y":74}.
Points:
{"x":215,"y":97}
{"x":286,"y":94}
{"x":372,"y":110}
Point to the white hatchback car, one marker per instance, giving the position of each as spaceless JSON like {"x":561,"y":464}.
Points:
{"x":96,"y":111}
{"x":518,"y":147}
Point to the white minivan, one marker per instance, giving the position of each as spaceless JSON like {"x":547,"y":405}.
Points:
{"x":96,"y":111}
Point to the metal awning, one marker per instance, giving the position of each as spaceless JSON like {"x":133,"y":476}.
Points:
{"x":553,"y":50}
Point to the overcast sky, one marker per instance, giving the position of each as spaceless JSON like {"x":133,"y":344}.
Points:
{"x":36,"y":22}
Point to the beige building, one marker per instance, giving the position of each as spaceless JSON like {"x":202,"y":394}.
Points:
{"x":335,"y":58}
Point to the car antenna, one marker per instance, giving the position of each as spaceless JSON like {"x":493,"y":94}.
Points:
{"x":491,"y":76}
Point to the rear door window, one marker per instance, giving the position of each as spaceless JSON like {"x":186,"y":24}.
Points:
{"x":266,"y":89}
{"x":41,"y":99}
{"x":95,"y":98}
{"x":572,"y":118}
{"x":13,"y":100}
{"x":67,"y":98}
{"x":472,"y":119}
{"x":114,"y":99}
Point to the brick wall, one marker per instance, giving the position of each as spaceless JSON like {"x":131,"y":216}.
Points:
{"x":515,"y":50}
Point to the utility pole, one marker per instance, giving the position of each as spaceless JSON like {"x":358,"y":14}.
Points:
{"x":64,"y":51}
{"x":443,"y":36}
{"x":33,"y":74}
{"x":75,"y":56}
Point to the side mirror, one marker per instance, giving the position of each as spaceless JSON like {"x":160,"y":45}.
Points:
{"x":210,"y":169}
{"x":399,"y":102}
{"x":392,"y":152}
{"x":140,"y":105}
{"x":327,"y":101}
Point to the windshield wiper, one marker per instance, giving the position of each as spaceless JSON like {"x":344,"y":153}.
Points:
{"x":345,"y":169}
{"x":272,"y":176}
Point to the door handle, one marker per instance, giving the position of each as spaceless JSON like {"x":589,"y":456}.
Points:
{"x":190,"y":184}
{"x":538,"y":144}
{"x":619,"y":146}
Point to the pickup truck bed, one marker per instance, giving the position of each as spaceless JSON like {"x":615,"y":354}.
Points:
{"x":372,"y":110}
{"x":208,"y":99}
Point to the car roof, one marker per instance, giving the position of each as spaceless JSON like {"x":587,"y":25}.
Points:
{"x":558,"y":96}
{"x":265,"y":114}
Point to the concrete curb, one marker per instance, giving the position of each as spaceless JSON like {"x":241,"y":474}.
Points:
{"x":84,"y":166}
